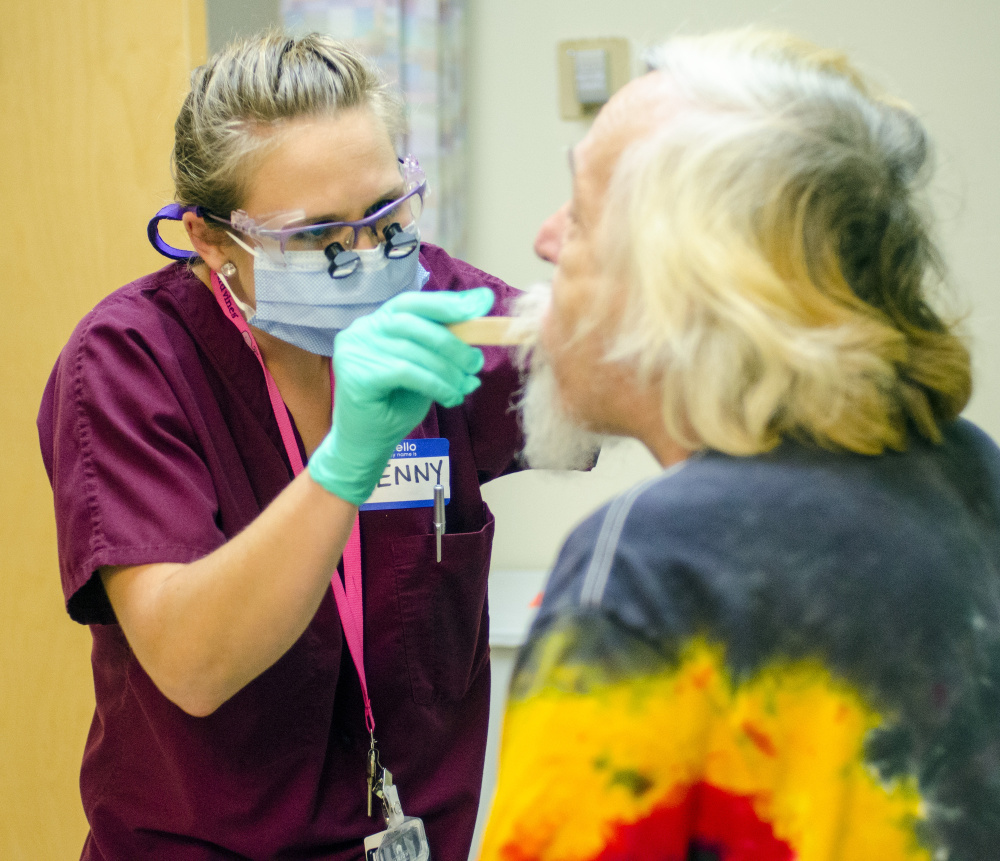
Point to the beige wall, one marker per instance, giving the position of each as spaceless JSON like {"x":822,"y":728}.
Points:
{"x":942,"y":57}
{"x":89,"y":93}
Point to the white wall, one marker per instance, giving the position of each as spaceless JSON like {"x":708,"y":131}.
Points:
{"x":942,"y":57}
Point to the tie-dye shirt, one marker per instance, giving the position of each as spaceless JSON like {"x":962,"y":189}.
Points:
{"x":790,"y":656}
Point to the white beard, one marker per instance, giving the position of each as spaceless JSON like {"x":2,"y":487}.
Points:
{"x":553,"y":439}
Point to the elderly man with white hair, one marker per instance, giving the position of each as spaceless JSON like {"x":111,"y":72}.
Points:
{"x":787,"y":644}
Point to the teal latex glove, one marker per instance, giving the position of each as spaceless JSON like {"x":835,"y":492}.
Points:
{"x":389,"y":367}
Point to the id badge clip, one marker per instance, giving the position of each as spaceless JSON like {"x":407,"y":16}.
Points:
{"x":404,"y":839}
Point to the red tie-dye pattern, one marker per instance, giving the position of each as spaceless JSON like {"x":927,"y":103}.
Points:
{"x":707,"y":823}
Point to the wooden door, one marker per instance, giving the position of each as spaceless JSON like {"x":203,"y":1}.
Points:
{"x":88,"y":94}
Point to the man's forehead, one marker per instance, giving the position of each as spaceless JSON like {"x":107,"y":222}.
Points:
{"x":642,"y":105}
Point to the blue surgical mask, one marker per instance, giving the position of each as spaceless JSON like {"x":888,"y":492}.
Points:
{"x":301,"y":304}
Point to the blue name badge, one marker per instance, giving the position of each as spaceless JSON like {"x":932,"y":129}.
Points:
{"x":409,"y":478}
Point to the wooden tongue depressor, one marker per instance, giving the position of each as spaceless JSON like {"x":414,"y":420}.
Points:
{"x":488,"y":332}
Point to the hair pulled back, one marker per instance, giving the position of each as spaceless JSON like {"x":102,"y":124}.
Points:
{"x":240,"y":99}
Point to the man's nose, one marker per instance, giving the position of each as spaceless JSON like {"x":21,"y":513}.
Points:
{"x":548,"y":242}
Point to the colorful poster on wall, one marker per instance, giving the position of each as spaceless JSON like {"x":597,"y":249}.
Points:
{"x":420,"y":46}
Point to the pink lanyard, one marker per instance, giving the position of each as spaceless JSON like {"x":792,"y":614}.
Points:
{"x":348,"y":600}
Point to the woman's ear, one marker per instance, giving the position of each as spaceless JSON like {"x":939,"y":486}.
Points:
{"x":205,"y":241}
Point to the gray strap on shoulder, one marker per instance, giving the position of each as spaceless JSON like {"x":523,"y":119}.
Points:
{"x":596,"y":579}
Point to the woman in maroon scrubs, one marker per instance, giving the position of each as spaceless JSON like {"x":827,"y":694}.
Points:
{"x":231,"y":720}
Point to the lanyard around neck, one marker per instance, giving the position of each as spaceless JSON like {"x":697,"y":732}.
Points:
{"x":348,"y":593}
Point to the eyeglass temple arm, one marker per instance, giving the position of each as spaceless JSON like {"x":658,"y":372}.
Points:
{"x":170,"y":212}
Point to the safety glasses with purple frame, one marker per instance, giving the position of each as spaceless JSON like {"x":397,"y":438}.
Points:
{"x":393,"y":227}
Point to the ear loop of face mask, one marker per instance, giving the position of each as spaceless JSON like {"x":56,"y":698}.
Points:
{"x":246,"y":309}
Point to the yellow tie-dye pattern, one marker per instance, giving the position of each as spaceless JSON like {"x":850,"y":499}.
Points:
{"x":791,"y":738}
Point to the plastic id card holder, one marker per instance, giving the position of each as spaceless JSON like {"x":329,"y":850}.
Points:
{"x":409,"y":478}
{"x":404,"y":838}
{"x":403,"y":842}
{"x":372,"y":843}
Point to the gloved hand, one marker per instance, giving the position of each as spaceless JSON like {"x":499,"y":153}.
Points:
{"x":389,"y":366}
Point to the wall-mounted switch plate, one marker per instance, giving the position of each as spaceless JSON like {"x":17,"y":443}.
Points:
{"x":590,"y":71}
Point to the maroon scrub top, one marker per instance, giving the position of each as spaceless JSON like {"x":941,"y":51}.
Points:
{"x":160,"y":443}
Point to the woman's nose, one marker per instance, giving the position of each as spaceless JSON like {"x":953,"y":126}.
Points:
{"x":549,"y":239}
{"x":366,"y":238}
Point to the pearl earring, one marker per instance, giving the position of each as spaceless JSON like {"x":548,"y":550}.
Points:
{"x":228,"y":269}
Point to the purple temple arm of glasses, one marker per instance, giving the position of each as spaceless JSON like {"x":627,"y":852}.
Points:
{"x":170,"y":212}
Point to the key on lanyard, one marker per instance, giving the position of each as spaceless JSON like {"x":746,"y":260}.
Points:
{"x":374,"y":781}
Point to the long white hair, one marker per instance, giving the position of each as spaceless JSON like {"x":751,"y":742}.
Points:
{"x":771,"y":252}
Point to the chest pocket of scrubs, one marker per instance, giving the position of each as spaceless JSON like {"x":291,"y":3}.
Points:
{"x":443,"y":609}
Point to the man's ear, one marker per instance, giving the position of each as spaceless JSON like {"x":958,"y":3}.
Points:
{"x":205,"y":241}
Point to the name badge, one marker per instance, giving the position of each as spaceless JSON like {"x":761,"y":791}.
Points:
{"x":409,"y":478}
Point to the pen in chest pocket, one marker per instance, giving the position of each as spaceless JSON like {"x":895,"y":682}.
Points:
{"x":438,"y":517}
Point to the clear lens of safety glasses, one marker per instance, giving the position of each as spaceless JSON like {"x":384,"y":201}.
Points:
{"x":399,"y":242}
{"x":397,"y":227}
{"x":318,"y":237}
{"x":392,"y":227}
{"x":396,"y":243}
